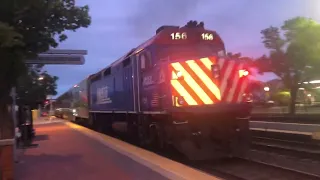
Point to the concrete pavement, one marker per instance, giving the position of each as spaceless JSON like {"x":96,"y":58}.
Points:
{"x":46,"y":120}
{"x":65,"y":154}
{"x":68,"y":151}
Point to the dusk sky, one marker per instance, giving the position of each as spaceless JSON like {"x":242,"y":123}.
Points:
{"x":118,"y":26}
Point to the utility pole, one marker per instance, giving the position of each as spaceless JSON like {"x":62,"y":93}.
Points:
{"x":51,"y":108}
{"x":49,"y":97}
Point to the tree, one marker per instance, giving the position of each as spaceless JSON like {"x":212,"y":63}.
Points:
{"x":28,"y":28}
{"x":294,"y":53}
{"x":34,"y":88}
{"x":10,"y":43}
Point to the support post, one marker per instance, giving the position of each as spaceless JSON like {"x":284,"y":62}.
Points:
{"x":39,"y":111}
{"x":15,"y":122}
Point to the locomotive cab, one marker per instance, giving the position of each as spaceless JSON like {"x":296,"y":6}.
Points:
{"x":179,"y":89}
{"x":208,"y":100}
{"x":210,"y":103}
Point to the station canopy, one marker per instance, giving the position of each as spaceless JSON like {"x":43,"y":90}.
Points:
{"x":60,"y":56}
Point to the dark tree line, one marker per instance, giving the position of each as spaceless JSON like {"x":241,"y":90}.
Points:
{"x":27,"y":28}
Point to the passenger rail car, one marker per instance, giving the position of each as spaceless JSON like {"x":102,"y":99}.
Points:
{"x":73,"y":104}
{"x":178,"y":88}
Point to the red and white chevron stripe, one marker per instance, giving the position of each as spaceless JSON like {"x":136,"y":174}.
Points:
{"x":232,"y":86}
{"x":198,"y":86}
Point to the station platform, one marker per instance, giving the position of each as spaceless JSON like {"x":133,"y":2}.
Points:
{"x":307,"y":128}
{"x":46,"y":120}
{"x":68,"y":151}
{"x":312,"y":130}
{"x":284,"y":110}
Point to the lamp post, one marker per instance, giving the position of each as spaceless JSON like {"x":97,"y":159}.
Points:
{"x":41,"y":78}
{"x":49,"y":97}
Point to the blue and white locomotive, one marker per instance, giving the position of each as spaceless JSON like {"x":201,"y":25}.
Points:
{"x":179,"y":89}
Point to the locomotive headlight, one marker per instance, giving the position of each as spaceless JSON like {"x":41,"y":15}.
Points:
{"x":74,"y":110}
{"x":215,"y":70}
{"x":243,"y":73}
{"x":180,"y":100}
{"x":179,"y":74}
{"x":247,"y":97}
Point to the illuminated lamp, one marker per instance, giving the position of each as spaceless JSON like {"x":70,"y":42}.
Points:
{"x":179,"y":74}
{"x":243,"y":73}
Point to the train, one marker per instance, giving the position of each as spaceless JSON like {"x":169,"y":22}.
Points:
{"x":178,"y":89}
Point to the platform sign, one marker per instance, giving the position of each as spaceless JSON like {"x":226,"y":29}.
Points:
{"x":60,"y":56}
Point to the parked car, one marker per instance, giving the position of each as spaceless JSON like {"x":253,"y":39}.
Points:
{"x":44,"y":114}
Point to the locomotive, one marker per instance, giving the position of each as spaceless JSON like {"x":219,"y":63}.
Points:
{"x":176,"y":89}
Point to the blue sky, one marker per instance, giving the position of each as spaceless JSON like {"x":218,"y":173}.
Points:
{"x":118,"y":26}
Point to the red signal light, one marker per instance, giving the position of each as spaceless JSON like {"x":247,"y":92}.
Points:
{"x":243,"y":73}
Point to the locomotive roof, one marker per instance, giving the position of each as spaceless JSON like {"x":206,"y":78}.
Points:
{"x":139,"y":48}
{"x":142,"y":46}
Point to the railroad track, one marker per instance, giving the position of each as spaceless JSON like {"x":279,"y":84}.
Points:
{"x":296,"y":155}
{"x":299,"y":149}
{"x":246,"y":169}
